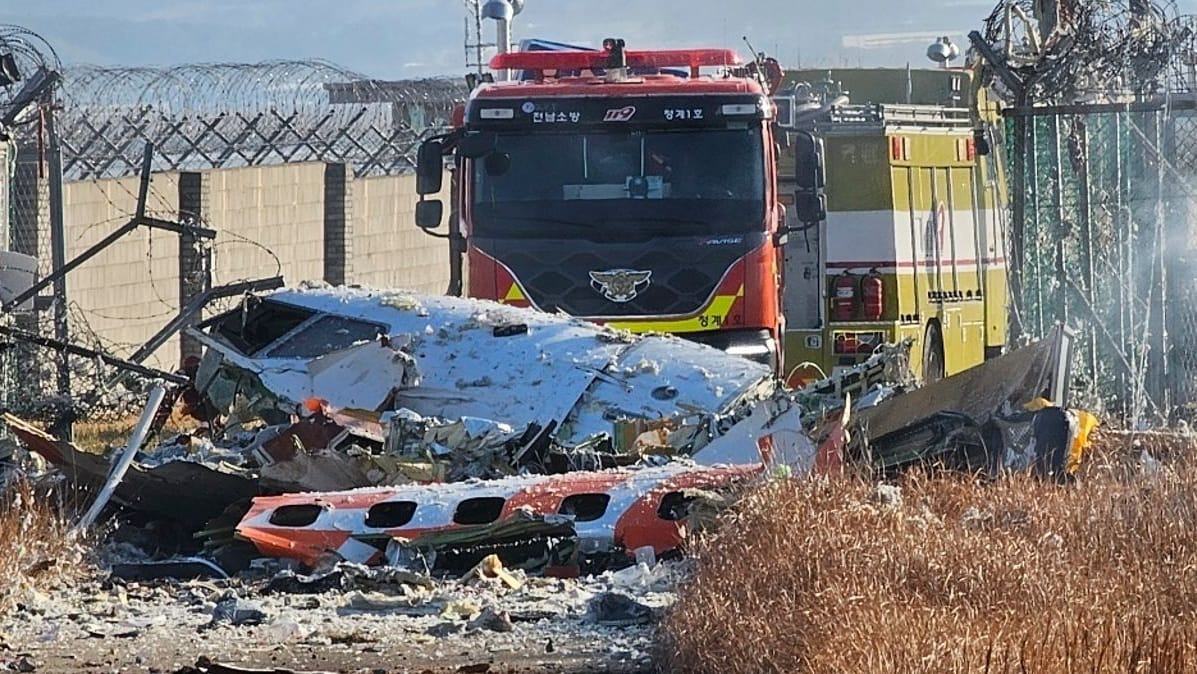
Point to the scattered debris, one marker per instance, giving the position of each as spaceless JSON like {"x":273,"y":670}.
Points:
{"x":1007,"y":414}
{"x":236,"y":611}
{"x":560,"y":398}
{"x":492,"y":620}
{"x":888,"y":495}
{"x":491,"y":567}
{"x":613,"y":608}
{"x":181,"y":568}
{"x":472,"y":468}
{"x":324,"y":390}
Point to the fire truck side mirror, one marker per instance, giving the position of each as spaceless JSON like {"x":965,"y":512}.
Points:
{"x":782,"y":136}
{"x":429,"y":213}
{"x":430,"y":167}
{"x":810,"y":207}
{"x":981,"y":142}
{"x":809,"y":171}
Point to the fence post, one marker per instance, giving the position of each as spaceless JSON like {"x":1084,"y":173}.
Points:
{"x":195,"y":258}
{"x":1158,"y":361}
{"x":58,"y":259}
{"x":338,"y":224}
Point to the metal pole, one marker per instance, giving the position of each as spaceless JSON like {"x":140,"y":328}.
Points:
{"x":1085,"y":165}
{"x":1160,"y":292}
{"x":1122,"y":230}
{"x":457,"y":241}
{"x":93,"y":354}
{"x":1059,"y":229}
{"x":58,"y":254}
{"x":1018,"y":224}
{"x":503,"y":45}
{"x":118,"y":472}
{"x":1031,"y":186}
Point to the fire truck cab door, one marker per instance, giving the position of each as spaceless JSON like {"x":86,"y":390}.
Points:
{"x":804,"y":278}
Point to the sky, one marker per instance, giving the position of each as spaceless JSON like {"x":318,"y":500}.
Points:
{"x":398,"y":39}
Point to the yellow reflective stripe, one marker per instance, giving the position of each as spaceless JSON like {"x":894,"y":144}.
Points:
{"x":712,"y":318}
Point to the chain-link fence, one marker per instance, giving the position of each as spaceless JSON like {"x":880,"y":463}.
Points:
{"x":1103,"y":200}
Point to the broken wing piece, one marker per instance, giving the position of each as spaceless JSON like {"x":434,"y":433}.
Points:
{"x":187,"y":492}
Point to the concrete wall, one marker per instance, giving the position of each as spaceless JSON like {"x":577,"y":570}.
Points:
{"x":389,"y":251}
{"x":264,"y":209}
{"x":128,"y":291}
{"x":318,"y":221}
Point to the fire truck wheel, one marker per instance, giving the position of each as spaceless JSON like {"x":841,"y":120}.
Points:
{"x":933,"y":361}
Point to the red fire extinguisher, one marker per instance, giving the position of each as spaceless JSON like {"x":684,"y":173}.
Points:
{"x":873,"y":296}
{"x":843,"y":305}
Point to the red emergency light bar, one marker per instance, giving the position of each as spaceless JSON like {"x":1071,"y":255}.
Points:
{"x":590,"y":60}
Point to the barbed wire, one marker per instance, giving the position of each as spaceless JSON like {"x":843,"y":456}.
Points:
{"x":218,"y":115}
{"x":206,"y":88}
{"x":1096,"y":50}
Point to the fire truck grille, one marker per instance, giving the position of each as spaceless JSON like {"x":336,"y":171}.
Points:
{"x":684,"y":275}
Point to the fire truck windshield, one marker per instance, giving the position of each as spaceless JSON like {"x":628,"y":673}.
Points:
{"x":603,"y":184}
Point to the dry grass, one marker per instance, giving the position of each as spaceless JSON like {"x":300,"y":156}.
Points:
{"x":36,"y":549}
{"x":1017,"y":576}
{"x":101,"y":436}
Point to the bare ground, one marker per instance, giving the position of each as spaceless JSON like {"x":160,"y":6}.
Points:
{"x":98,"y":626}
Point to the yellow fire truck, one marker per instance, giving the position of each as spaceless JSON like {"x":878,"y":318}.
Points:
{"x":912,"y":243}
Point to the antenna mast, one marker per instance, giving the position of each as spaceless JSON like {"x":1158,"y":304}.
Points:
{"x":473,"y":37}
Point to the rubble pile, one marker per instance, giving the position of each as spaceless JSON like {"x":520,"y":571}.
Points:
{"x":403,"y":451}
{"x":377,"y":415}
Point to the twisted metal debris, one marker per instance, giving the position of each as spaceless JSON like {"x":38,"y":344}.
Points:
{"x":1094,"y":50}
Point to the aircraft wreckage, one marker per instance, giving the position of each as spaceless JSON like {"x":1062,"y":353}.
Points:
{"x":375,"y":426}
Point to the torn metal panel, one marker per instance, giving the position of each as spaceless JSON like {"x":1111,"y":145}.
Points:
{"x":155,"y":490}
{"x":365,"y":375}
{"x":520,"y":541}
{"x":667,"y":377}
{"x":180,"y":568}
{"x":554,"y":371}
{"x":617,"y":509}
{"x":950,"y":439}
{"x":320,"y":470}
{"x":772,"y":432}
{"x":1006,"y":382}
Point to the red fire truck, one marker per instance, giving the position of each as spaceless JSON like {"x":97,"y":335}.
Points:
{"x":633,"y":188}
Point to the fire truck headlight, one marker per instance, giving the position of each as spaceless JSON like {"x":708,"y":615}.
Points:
{"x":763,"y":351}
{"x":749,"y":350}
